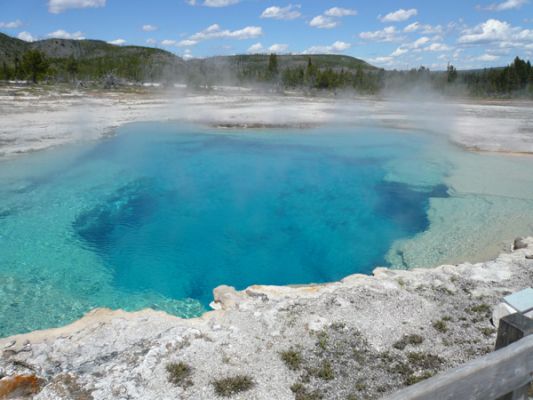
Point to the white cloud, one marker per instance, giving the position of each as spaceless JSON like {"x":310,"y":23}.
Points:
{"x":498,"y":32}
{"x":187,"y":54}
{"x":285,"y":13}
{"x":400,"y":51}
{"x":340,"y":12}
{"x":118,"y":42}
{"x":419,"y":42}
{"x":151,"y":41}
{"x":62,"y":34}
{"x":386,"y":60}
{"x":258,"y":48}
{"x":388,"y":34}
{"x":323,"y":22}
{"x":487,"y":57}
{"x":168,"y":42}
{"x":58,"y":6}
{"x":215,"y":32}
{"x":149,"y":28}
{"x":437,"y":47}
{"x":26,"y":36}
{"x":278,"y":48}
{"x":11,"y":25}
{"x":187,"y":43}
{"x":399,"y":15}
{"x":213,"y":3}
{"x":255,"y":48}
{"x":336,"y":47}
{"x":505,"y":5}
{"x":425,"y":29}
{"x":331,"y":18}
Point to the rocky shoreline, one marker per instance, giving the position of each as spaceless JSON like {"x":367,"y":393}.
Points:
{"x":362,"y":337}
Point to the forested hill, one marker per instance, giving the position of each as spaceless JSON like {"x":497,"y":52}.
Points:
{"x":93,"y":59}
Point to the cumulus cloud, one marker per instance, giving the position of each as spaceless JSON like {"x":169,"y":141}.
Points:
{"x":421,"y":44}
{"x":26,"y":36}
{"x":400,"y":51}
{"x":487,"y":57}
{"x":331,"y":18}
{"x":149,"y":28}
{"x":278,"y":48}
{"x":425,"y":29}
{"x":213,"y":3}
{"x":323,"y":22}
{"x":151,"y":41}
{"x":187,"y":43}
{"x":215,"y":32}
{"x":62,"y":34}
{"x":399,"y":15}
{"x":383,"y":60}
{"x":388,"y":34}
{"x":168,"y":42}
{"x":505,"y":5}
{"x":494,"y":31}
{"x":340,"y":12}
{"x":255,"y":48}
{"x":58,"y":6}
{"x":437,"y":47}
{"x":337,"y":47}
{"x":11,"y":25}
{"x":284,"y":13}
{"x":118,"y":42}
{"x":258,"y":48}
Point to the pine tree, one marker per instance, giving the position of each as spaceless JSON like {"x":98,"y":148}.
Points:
{"x":273,"y":71}
{"x":34,"y":64}
{"x":451,"y":73}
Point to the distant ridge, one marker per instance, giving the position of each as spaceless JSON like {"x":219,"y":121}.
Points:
{"x":96,"y":58}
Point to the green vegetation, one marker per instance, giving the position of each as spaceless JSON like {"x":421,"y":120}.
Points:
{"x":292,"y":359}
{"x":87,"y":60}
{"x":325,"y":371}
{"x":34,"y":64}
{"x":93,"y":60}
{"x":413,"y":379}
{"x":440,"y":326}
{"x":406,"y":340}
{"x":322,"y":340}
{"x":424,"y":361}
{"x":302,"y":393}
{"x":227,"y":387}
{"x":179,"y":374}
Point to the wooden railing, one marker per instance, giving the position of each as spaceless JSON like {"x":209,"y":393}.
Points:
{"x":503,"y":374}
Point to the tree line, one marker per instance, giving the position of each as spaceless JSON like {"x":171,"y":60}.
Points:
{"x":515,"y":79}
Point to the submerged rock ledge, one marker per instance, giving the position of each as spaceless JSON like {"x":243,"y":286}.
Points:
{"x":362,"y":337}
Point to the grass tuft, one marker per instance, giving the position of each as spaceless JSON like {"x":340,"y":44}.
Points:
{"x":292,"y":359}
{"x":406,"y":340}
{"x":227,"y":387}
{"x":179,"y":374}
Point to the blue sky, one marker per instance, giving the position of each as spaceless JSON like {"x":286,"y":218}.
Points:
{"x":391,"y":34}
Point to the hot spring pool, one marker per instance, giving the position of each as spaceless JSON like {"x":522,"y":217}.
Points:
{"x":159,"y":215}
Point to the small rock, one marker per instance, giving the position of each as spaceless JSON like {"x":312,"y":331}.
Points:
{"x":317,"y":324}
{"x":519,"y":243}
{"x":529,"y":257}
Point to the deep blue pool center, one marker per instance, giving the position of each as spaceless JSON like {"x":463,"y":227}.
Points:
{"x":159,"y":215}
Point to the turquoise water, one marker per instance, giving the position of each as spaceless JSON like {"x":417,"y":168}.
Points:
{"x":159,"y":215}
